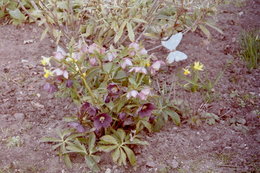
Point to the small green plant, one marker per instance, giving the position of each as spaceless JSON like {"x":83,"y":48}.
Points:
{"x":250,"y":48}
{"x":14,"y":141}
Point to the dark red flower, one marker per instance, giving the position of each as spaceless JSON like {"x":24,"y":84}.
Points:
{"x":102,"y":120}
{"x":87,"y":108}
{"x":146,"y":110}
{"x":69,"y":83}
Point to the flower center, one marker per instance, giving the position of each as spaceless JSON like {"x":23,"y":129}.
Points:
{"x":101,"y":119}
{"x":114,"y":90}
{"x":144,"y":107}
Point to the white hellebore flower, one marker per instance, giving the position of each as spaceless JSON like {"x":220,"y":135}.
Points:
{"x":60,"y":72}
{"x":126,"y":62}
{"x":132,"y":93}
{"x":138,"y":70}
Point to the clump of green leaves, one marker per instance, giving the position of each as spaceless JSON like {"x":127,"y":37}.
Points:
{"x":250,"y":49}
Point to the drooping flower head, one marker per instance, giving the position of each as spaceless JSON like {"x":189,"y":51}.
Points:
{"x":137,"y":49}
{"x":113,"y":92}
{"x":102,"y":120}
{"x":69,"y":83}
{"x":62,"y":73}
{"x":138,"y":70}
{"x":144,"y":93}
{"x":146,"y":110}
{"x":59,"y":54}
{"x":87,"y":108}
{"x":93,"y":62}
{"x":198,"y":66}
{"x":94,"y":48}
{"x":132,"y":93}
{"x":126,"y":62}
{"x":156,"y":66}
{"x":51,"y":88}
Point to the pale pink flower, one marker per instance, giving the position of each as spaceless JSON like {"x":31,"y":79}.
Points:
{"x":137,"y":49}
{"x":138,"y":70}
{"x":60,"y":72}
{"x":126,"y":62}
{"x":144,"y":93}
{"x":111,"y":56}
{"x":156,"y":66}
{"x":93,"y":48}
{"x":132,"y":93}
{"x":93,"y":61}
{"x":59,"y":54}
{"x":82,"y":46}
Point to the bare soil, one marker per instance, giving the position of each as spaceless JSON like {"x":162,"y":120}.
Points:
{"x":27,"y":113}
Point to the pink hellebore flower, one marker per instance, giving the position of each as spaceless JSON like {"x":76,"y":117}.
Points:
{"x":138,"y":70}
{"x":132,"y":93}
{"x":59,"y":54}
{"x":93,"y":61}
{"x":126,"y":62}
{"x":82,"y":46}
{"x":93,"y":48}
{"x":137,"y":49}
{"x":144,"y":93}
{"x":156,"y":66}
{"x":60,"y":72}
{"x":111,"y":55}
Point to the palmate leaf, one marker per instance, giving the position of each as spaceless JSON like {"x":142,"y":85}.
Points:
{"x":67,"y":160}
{"x":115,"y":155}
{"x":120,"y":32}
{"x":92,"y":164}
{"x":91,"y":142}
{"x":17,"y":14}
{"x":122,"y":158}
{"x":107,"y":148}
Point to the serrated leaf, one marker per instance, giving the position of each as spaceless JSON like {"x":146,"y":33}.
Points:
{"x":107,"y":148}
{"x":130,"y":155}
{"x":138,"y":142}
{"x":174,"y":116}
{"x":130,"y":31}
{"x":115,"y":155}
{"x":17,"y":14}
{"x":121,"y":134}
{"x":120,"y":32}
{"x":67,"y":160}
{"x":147,"y":125}
{"x":92,"y":163}
{"x":205,"y":30}
{"x":91,"y":141}
{"x":122,"y":158}
{"x":109,"y":139}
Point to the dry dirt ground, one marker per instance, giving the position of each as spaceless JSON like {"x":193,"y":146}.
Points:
{"x":231,"y":145}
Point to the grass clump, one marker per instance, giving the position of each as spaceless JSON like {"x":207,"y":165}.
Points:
{"x":250,"y":49}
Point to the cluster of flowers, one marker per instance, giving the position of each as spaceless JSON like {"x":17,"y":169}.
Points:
{"x":135,"y":63}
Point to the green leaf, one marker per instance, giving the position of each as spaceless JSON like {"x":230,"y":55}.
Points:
{"x":138,"y":142}
{"x":120,"y":32}
{"x":122,"y":158}
{"x":67,"y":160}
{"x":147,"y":125}
{"x":109,"y":139}
{"x":174,"y":116}
{"x":91,"y":141}
{"x":130,"y":30}
{"x":115,"y":155}
{"x":132,"y":81}
{"x":121,"y":134}
{"x":214,"y":27}
{"x":107,"y":67}
{"x":107,"y":148}
{"x":130,"y":154}
{"x":205,"y":30}
{"x":17,"y":14}
{"x":92,"y":163}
